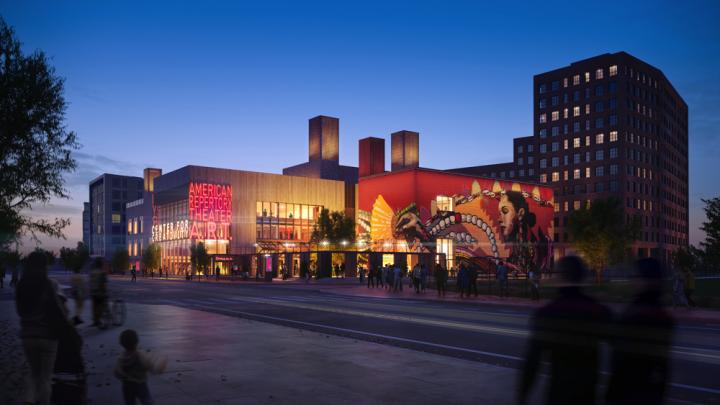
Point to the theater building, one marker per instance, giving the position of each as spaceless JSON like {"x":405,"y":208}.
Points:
{"x":247,"y":220}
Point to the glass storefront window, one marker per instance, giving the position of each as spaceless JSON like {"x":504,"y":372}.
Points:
{"x":282,"y":210}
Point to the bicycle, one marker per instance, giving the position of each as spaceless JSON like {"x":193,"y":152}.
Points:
{"x":113,"y":314}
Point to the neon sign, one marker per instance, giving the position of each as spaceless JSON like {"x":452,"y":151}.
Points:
{"x":209,"y":211}
{"x":170,"y":231}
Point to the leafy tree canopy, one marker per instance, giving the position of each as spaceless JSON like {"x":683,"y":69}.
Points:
{"x":600,"y":233}
{"x":199,"y":257}
{"x":151,"y":257}
{"x":74,"y":259}
{"x":120,"y":260}
{"x":35,"y":146}
{"x":334,"y":227}
{"x":711,"y":227}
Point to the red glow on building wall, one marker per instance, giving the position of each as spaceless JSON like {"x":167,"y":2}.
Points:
{"x":210,"y":210}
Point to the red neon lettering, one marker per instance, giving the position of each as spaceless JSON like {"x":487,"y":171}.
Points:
{"x":211,"y":227}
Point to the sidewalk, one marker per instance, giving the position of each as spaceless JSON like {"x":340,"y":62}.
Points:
{"x":225,"y":360}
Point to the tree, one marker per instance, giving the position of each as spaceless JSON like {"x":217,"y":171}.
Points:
{"x":685,"y":257}
{"x":333,"y":227}
{"x":600,"y":233}
{"x":35,"y":146}
{"x":199,"y":258}
{"x":151,"y":257}
{"x":120,"y":261}
{"x":711,"y":227}
{"x":74,"y":259}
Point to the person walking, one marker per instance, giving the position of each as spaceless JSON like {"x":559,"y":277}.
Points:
{"x":132,"y":367}
{"x":567,"y":333}
{"x":472,"y":280}
{"x":2,"y":275}
{"x":379,"y":282}
{"x":416,"y":275}
{"x":384,"y":277}
{"x":462,"y":280}
{"x":371,"y":277}
{"x":133,"y":273}
{"x":43,"y":322}
{"x":397,"y":278}
{"x":15,"y":275}
{"x":217,"y":272}
{"x":78,"y":291}
{"x":441,"y":276}
{"x":98,"y":290}
{"x":640,"y":366}
{"x":689,"y":279}
{"x":423,"y":277}
{"x":361,"y":272}
{"x":502,"y":279}
{"x":678,"y":293}
{"x":534,"y":280}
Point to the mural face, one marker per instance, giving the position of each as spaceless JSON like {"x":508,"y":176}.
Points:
{"x":486,"y":220}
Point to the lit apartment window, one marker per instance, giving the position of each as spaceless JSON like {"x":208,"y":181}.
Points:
{"x":587,"y":109}
{"x":599,"y":139}
{"x":613,"y":136}
{"x":129,"y":227}
{"x":565,"y":82}
{"x":587,"y":77}
{"x":599,"y":74}
{"x":587,"y":140}
{"x":576,"y":174}
{"x":116,"y":219}
{"x":555,"y":176}
{"x":129,"y":249}
{"x":555,"y":115}
{"x":565,"y":144}
{"x":587,"y":172}
{"x":543,"y":118}
{"x":565,"y":206}
{"x":135,"y":226}
{"x":543,"y":178}
{"x":565,"y":175}
{"x":576,"y":142}
{"x":576,"y":205}
{"x":565,"y":113}
{"x":613,"y":70}
{"x":576,"y":80}
{"x":576,"y":111}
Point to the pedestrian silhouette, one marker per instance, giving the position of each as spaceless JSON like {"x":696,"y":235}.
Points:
{"x":641,"y":342}
{"x":568,"y":330}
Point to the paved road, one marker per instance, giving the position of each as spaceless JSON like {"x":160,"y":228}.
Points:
{"x":492,"y":334}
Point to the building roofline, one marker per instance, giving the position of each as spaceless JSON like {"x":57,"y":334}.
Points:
{"x":424,"y":169}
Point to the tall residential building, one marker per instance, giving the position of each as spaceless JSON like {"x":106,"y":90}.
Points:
{"x":109,"y":194}
{"x":86,"y":224}
{"x":611,"y":125}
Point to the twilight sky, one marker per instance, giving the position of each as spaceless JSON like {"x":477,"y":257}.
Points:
{"x":232,"y":85}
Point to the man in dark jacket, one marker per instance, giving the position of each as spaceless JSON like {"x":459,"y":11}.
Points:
{"x":569,"y":330}
{"x":641,"y":343}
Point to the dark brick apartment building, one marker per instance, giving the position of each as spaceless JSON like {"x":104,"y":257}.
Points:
{"x":611,"y":125}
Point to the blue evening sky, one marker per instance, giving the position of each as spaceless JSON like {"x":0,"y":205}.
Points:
{"x":232,"y":84}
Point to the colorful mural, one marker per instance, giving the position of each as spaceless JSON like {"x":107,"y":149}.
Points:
{"x":486,"y":220}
